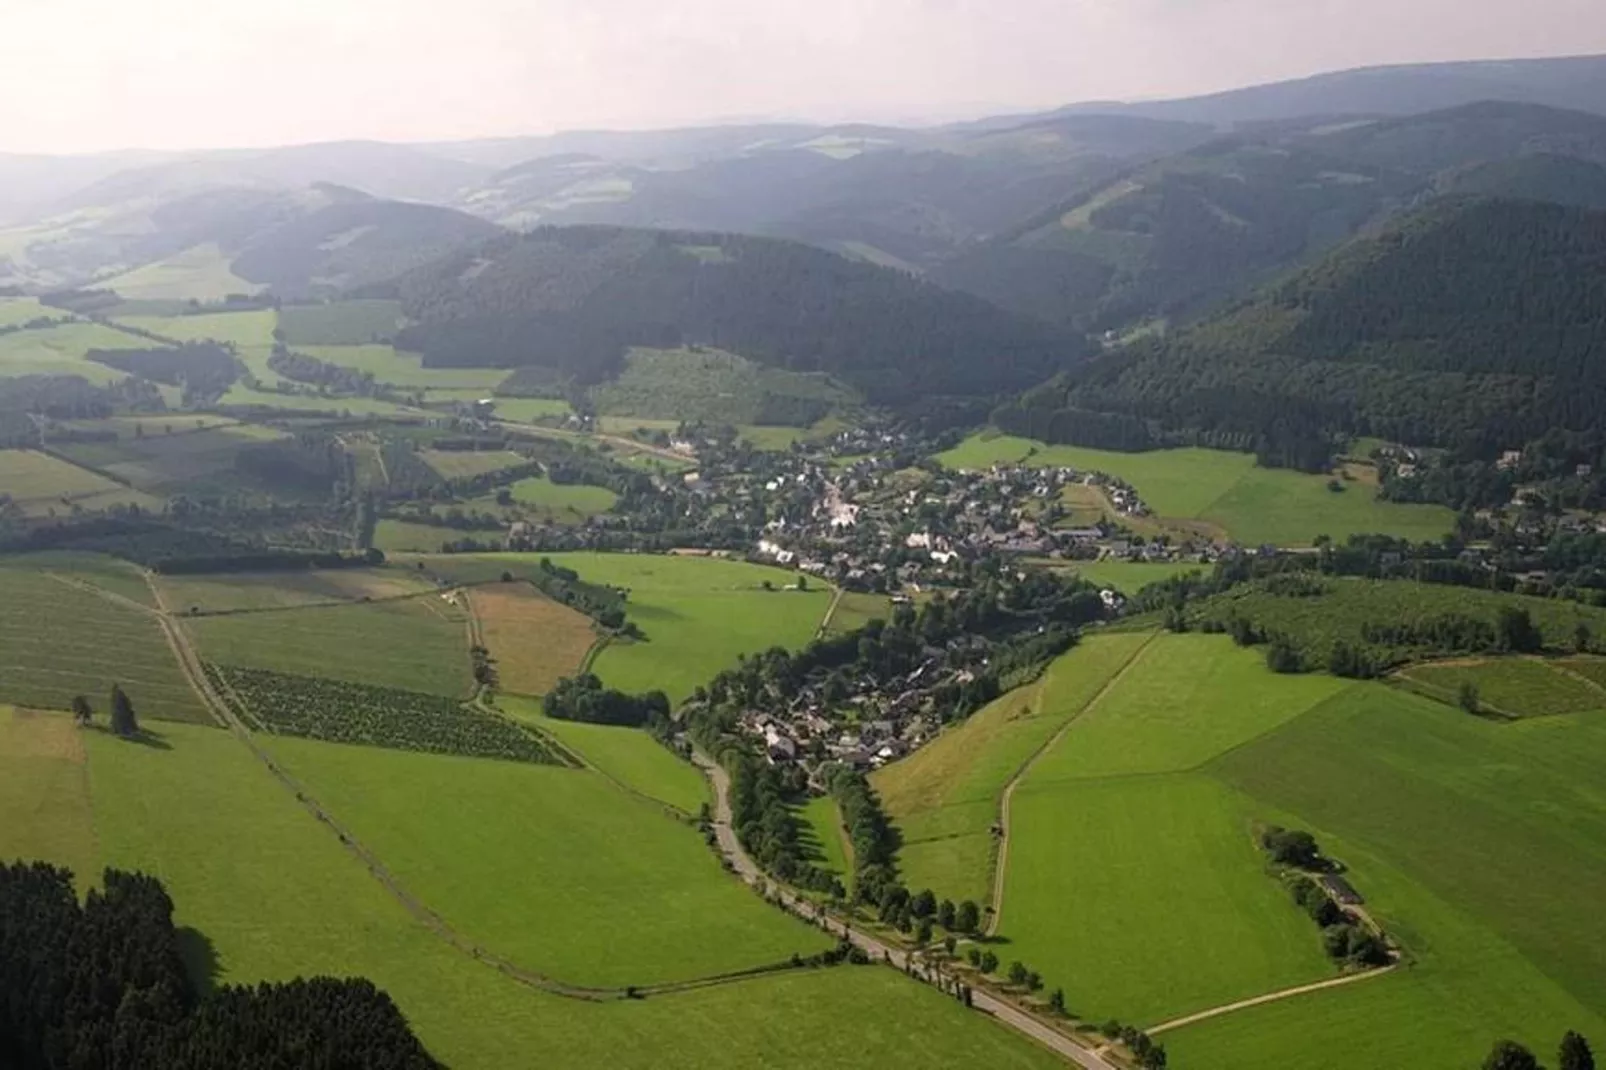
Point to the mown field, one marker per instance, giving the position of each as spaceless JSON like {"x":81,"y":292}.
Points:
{"x":44,"y":790}
{"x":1480,"y":844}
{"x":416,"y":644}
{"x":58,"y":640}
{"x":698,"y":614}
{"x":464,"y":464}
{"x":1513,"y":687}
{"x":340,"y":323}
{"x":42,"y":485}
{"x":1157,"y":859}
{"x":535,"y":641}
{"x":945,"y":797}
{"x":269,"y":894}
{"x":1249,"y":504}
{"x":235,"y":591}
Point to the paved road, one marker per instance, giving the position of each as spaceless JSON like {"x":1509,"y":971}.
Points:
{"x":748,"y":870}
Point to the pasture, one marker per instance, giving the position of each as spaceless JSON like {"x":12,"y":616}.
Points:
{"x":111,"y":574}
{"x":16,"y":311}
{"x":415,"y":644}
{"x":42,"y":485}
{"x":566,"y":838}
{"x":406,"y":371}
{"x":247,"y":328}
{"x":945,"y":797}
{"x":235,"y":591}
{"x":401,"y":536}
{"x":856,"y":609}
{"x":825,"y":836}
{"x":1130,"y":577}
{"x":1227,"y":491}
{"x":60,"y":350}
{"x":340,"y":323}
{"x":203,"y":272}
{"x":534,"y":641}
{"x":526,"y":410}
{"x":710,"y":385}
{"x":562,"y":503}
{"x":1513,"y":687}
{"x":58,"y":640}
{"x":44,"y":790}
{"x":465,"y":464}
{"x":1480,"y":844}
{"x":177,"y":462}
{"x":698,"y":613}
{"x":627,"y":755}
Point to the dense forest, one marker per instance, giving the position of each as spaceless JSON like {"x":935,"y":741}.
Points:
{"x":102,"y":983}
{"x":572,"y":299}
{"x":1473,"y":324}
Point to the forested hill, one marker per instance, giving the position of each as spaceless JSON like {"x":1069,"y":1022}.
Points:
{"x":1479,"y":324}
{"x":572,"y":299}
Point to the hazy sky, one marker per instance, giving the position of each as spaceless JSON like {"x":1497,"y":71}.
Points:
{"x":81,"y":75}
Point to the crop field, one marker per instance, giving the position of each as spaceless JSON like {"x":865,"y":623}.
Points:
{"x":1516,"y":687}
{"x":406,"y":370}
{"x":44,"y":790}
{"x":1316,"y":622}
{"x":698,"y":613}
{"x":203,"y":272}
{"x":249,"y":328}
{"x":339,"y":712}
{"x":1252,"y":505}
{"x":464,"y":464}
{"x":944,"y":798}
{"x":535,"y":641}
{"x":1480,"y":844}
{"x":416,"y":644}
{"x":58,"y":640}
{"x":551,"y":836}
{"x":563,"y":503}
{"x":340,"y":323}
{"x":234,"y":591}
{"x":1158,"y":881}
{"x":627,"y":755}
{"x":823,"y":832}
{"x":60,"y":351}
{"x":42,"y":485}
{"x":172,"y":463}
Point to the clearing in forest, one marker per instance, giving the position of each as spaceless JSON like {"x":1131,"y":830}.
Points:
{"x":534,"y":641}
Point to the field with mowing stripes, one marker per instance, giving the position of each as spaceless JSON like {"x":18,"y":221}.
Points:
{"x":58,"y":640}
{"x":42,"y":485}
{"x":44,"y":790}
{"x":235,"y":591}
{"x":535,"y":641}
{"x":1514,"y":687}
{"x":416,"y":644}
{"x":464,"y":464}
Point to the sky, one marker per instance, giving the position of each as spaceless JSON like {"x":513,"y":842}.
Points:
{"x":89,"y":75}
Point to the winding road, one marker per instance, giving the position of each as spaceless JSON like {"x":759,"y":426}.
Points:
{"x":748,"y":870}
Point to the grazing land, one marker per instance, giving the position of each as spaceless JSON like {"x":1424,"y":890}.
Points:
{"x":44,"y":790}
{"x":563,"y":503}
{"x":855,"y":609}
{"x":202,"y":272}
{"x":110,"y":574}
{"x":1251,"y":505}
{"x":465,"y":464}
{"x":698,"y":613}
{"x":16,"y":311}
{"x":945,"y":797}
{"x":822,"y":824}
{"x":340,"y":323}
{"x":60,"y":350}
{"x":519,"y":836}
{"x":717,"y":387}
{"x":234,"y":591}
{"x":534,"y":641}
{"x":400,"y":536}
{"x":525,"y":410}
{"x":406,"y":371}
{"x":248,"y":328}
{"x":415,"y":644}
{"x":1515,"y":687}
{"x":627,"y":755}
{"x":42,"y":485}
{"x":58,"y":640}
{"x":1130,"y":577}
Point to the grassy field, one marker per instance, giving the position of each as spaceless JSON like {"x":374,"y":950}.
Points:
{"x":232,"y":591}
{"x":119,"y":577}
{"x":535,"y":641}
{"x":464,"y":464}
{"x":856,"y":609}
{"x":1517,"y":687}
{"x":400,"y":536}
{"x":1146,"y":897}
{"x":563,"y":503}
{"x":523,"y":410}
{"x":418,"y":644}
{"x":698,"y":613}
{"x":1480,"y":844}
{"x":177,"y":462}
{"x":203,"y":272}
{"x":1251,"y":505}
{"x":944,"y":798}
{"x":710,"y":385}
{"x":1130,"y":577}
{"x":628,"y":755}
{"x":58,"y":640}
{"x":241,"y":395}
{"x":822,"y":826}
{"x":340,"y":323}
{"x":60,"y":351}
{"x":44,"y":790}
{"x":406,"y":370}
{"x":42,"y":485}
{"x":15,"y":311}
{"x":615,"y":864}
{"x":249,"y":328}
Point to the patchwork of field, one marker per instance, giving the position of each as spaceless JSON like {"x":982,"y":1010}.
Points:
{"x":340,"y":323}
{"x":173,"y":463}
{"x":1515,"y":687}
{"x":563,"y":503}
{"x":235,"y":591}
{"x":698,"y":614}
{"x":59,"y":639}
{"x":203,"y":272}
{"x":1251,"y":505}
{"x":60,"y":350}
{"x":414,"y":644}
{"x":535,"y":641}
{"x":42,"y":485}
{"x":945,"y":797}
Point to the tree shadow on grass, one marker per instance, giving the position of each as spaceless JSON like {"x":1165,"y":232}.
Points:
{"x":200,"y":960}
{"x":145,"y":737}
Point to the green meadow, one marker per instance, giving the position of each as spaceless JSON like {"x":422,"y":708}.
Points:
{"x":42,"y":485}
{"x":246,"y":328}
{"x":699,"y":615}
{"x":406,"y":371}
{"x":185,"y":460}
{"x":822,"y":826}
{"x":233,"y":591}
{"x":1516,"y":687}
{"x":1227,"y":491}
{"x":339,"y":323}
{"x":60,"y":350}
{"x":563,"y":503}
{"x":1130,"y":577}
{"x":202,"y":272}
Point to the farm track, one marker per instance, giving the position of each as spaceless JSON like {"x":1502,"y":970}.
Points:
{"x":1270,"y":997}
{"x":1001,"y":862}
{"x":830,"y":611}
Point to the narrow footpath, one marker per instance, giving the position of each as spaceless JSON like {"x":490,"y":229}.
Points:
{"x":748,"y":870}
